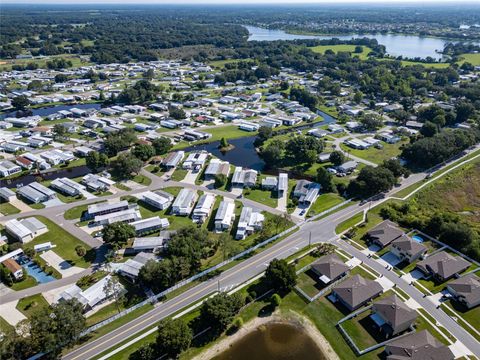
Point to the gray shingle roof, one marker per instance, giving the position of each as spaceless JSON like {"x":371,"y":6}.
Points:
{"x":356,"y":290}
{"x":330,"y":265}
{"x":394,"y":311}
{"x":443,"y":264}
{"x":418,"y":346}
{"x":385,"y":232}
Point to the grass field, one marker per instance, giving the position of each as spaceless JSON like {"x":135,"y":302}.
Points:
{"x":228,"y":132}
{"x":65,"y":244}
{"x":142,"y":180}
{"x":324,"y":202}
{"x":375,"y":155}
{"x":265,"y":197}
{"x":473,"y":59}
{"x":342,"y":48}
{"x":179,"y":174}
{"x":24,"y":284}
{"x":8,"y":209}
{"x":347,"y":224}
{"x":7,"y":64}
{"x":29,"y":305}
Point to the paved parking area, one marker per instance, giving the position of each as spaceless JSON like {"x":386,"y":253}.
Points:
{"x":61,"y":265}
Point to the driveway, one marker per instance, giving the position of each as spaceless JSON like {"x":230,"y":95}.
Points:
{"x":20,"y":205}
{"x":10,"y":313}
{"x":191,"y":177}
{"x":61,"y":265}
{"x":52,"y":202}
{"x":282,"y":202}
{"x":236,"y":190}
{"x":390,"y":259}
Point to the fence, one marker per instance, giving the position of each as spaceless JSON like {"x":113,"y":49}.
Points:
{"x":162,"y":294}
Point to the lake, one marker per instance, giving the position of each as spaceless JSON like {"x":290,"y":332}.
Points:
{"x":279,"y":341}
{"x":50,"y":174}
{"x":396,"y":45}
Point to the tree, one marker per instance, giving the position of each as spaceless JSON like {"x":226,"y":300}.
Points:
{"x":162,"y":145}
{"x":395,"y":167}
{"x":177,"y":113}
{"x":224,"y":143}
{"x":20,"y":102}
{"x":173,"y":337}
{"x":126,"y":165}
{"x":273,"y":153}
{"x":149,"y":74}
{"x":113,"y":288}
{"x":220,"y":180}
{"x":301,"y":149}
{"x":35,"y":85}
{"x":95,"y":160}
{"x":337,"y":158}
{"x":143,"y":151}
{"x":275,"y":300}
{"x":118,"y":233}
{"x":325,"y":179}
{"x":229,"y":246}
{"x":146,"y":352}
{"x":281,"y":276}
{"x":429,"y":129}
{"x":57,"y":326}
{"x":371,"y":181}
{"x":121,"y":140}
{"x":264,"y":133}
{"x":358,"y":49}
{"x":5,"y":275}
{"x":371,"y":122}
{"x":358,"y":97}
{"x":464,"y":110}
{"x":80,"y":250}
{"x":219,"y":311}
{"x":60,"y":78}
{"x":59,"y":131}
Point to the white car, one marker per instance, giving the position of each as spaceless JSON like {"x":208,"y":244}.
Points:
{"x":332,"y":171}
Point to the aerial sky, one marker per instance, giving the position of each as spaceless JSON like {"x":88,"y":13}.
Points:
{"x":224,"y":2}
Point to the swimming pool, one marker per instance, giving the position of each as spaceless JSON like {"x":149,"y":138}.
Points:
{"x":417,"y":238}
{"x":37,"y":273}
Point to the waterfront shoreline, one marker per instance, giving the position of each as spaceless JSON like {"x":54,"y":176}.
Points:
{"x":291,"y":318}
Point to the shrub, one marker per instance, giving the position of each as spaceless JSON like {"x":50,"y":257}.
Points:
{"x":275,"y":300}
{"x":80,"y":250}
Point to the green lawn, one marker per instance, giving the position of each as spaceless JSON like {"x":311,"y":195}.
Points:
{"x":221,"y":63}
{"x":76,"y":212}
{"x":228,"y":132}
{"x":472,"y":316}
{"x":324,"y":202}
{"x":343,"y":48}
{"x":416,"y":63}
{"x":308,"y":284}
{"x":473,"y":59}
{"x":76,"y":62}
{"x":31,"y":304}
{"x":120,"y":186}
{"x":357,"y":326}
{"x":142,"y":180}
{"x":176,"y":222}
{"x":266,"y":197}
{"x":37,"y":206}
{"x":179,"y":174}
{"x":8,"y":209}
{"x":24,"y":284}
{"x":5,"y":326}
{"x":65,"y":244}
{"x":347,"y":224}
{"x":375,"y":155}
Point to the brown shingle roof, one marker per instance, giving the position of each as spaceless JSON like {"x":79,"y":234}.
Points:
{"x":330,"y":265}
{"x":394,"y":311}
{"x":385,"y":232}
{"x":356,"y":290}
{"x":418,"y":346}
{"x":12,"y":265}
{"x":443,"y":264}
{"x":411,"y":247}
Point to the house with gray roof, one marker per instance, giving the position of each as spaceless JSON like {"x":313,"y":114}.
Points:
{"x":131,"y":267}
{"x":392,"y":315}
{"x":36,"y":192}
{"x":466,"y":290}
{"x":443,"y":266}
{"x":329,"y":268}
{"x":224,"y":216}
{"x":384,"y":233}
{"x":7,"y":195}
{"x":216,"y":167}
{"x":418,"y":346}
{"x":407,"y":249}
{"x":356,"y":291}
{"x":183,"y":204}
{"x":25,"y":230}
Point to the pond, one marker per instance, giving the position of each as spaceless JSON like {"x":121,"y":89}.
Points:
{"x":48,"y":110}
{"x":244,"y":154}
{"x":279,"y":341}
{"x":409,"y":46}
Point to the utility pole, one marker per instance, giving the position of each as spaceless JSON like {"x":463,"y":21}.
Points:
{"x":218,"y":285}
{"x":310,"y":240}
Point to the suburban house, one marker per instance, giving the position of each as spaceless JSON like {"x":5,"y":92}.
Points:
{"x":36,"y":193}
{"x":442,"y":266}
{"x":347,"y":167}
{"x":126,"y":216}
{"x":149,"y":244}
{"x":466,"y":290}
{"x":67,"y":186}
{"x":384,"y":233}
{"x":306,"y":191}
{"x":15,"y":269}
{"x":216,"y":167}
{"x":97,"y":183}
{"x":203,"y":208}
{"x":106,"y":208}
{"x":195,"y":160}
{"x":184,"y":202}
{"x":407,"y":249}
{"x":173,"y":159}
{"x":131,"y":267}
{"x":250,"y":221}
{"x":270,"y":183}
{"x":244,"y":177}
{"x":25,"y":230}
{"x":158,"y":199}
{"x":224,"y":216}
{"x":94,"y":295}
{"x":8,"y":168}
{"x":392,"y":315}
{"x":329,"y":268}
{"x":282,"y":186}
{"x":418,"y":346}
{"x":356,"y":291}
{"x":152,"y":224}
{"x":7,"y":195}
